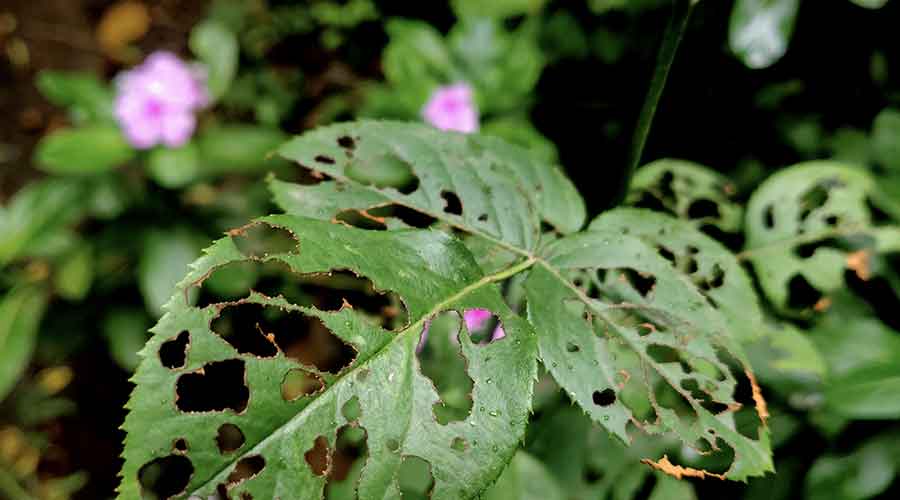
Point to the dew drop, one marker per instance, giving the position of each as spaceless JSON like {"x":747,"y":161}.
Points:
{"x":489,"y":381}
{"x":494,"y":413}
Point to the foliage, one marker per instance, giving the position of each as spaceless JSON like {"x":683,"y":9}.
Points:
{"x":728,"y":321}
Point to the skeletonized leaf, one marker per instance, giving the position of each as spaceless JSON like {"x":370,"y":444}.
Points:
{"x":688,"y":191}
{"x":629,"y":317}
{"x":284,"y":446}
{"x":806,"y":225}
{"x":502,"y":192}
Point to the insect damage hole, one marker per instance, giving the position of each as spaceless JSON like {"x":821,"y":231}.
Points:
{"x":229,"y":438}
{"x":415,"y":478}
{"x":298,"y":383}
{"x":605,"y":397}
{"x":259,"y":239}
{"x":217,"y":386}
{"x":452,"y":203}
{"x":247,"y":468}
{"x":165,"y":477}
{"x":642,"y":283}
{"x":350,"y":454}
{"x":346,"y":142}
{"x":262,"y":330}
{"x":442,"y":361}
{"x":173,"y":353}
{"x":180,"y":446}
{"x":484,"y":326}
{"x":319,"y":456}
{"x":334,"y":290}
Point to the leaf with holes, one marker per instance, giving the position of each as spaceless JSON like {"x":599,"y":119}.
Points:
{"x":246,"y":398}
{"x":630,"y":322}
{"x":477,"y":183}
{"x":807,"y":226}
{"x":688,"y":191}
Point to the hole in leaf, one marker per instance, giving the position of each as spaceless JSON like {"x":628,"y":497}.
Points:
{"x":319,"y":456}
{"x":459,"y":444}
{"x":452,"y":204}
{"x":385,"y":171}
{"x":718,"y":276}
{"x":702,"y":208}
{"x":572,"y":347}
{"x":482,"y":217}
{"x":666,"y":182}
{"x":605,"y":397}
{"x":642,"y":283}
{"x":346,"y":142}
{"x":246,"y":468}
{"x":666,"y":254}
{"x":351,"y":409}
{"x":331,"y":291}
{"x":649,"y":201}
{"x":234,"y":280}
{"x":217,"y":386}
{"x":442,"y":361}
{"x":361,"y":219}
{"x":802,"y":295}
{"x":406,"y":215}
{"x":807,"y":250}
{"x":415,"y":478}
{"x":327,"y":160}
{"x":260,"y":239}
{"x":260,"y":330}
{"x":392,"y":445}
{"x":592,"y":474}
{"x":298,"y":383}
{"x":769,"y":217}
{"x":879,"y":216}
{"x":349,"y":455}
{"x":483,"y":326}
{"x":816,"y":197}
{"x":663,"y":354}
{"x":229,"y":438}
{"x":173,"y":353}
{"x":180,"y":445}
{"x":165,"y":477}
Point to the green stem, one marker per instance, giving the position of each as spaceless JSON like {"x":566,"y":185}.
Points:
{"x":681,"y":11}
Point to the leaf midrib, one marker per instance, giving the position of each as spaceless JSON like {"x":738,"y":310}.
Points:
{"x":484,"y":281}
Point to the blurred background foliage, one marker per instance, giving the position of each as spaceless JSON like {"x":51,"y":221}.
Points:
{"x":94,"y":234}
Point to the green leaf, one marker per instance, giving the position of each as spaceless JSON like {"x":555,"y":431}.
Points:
{"x":21,"y":310}
{"x":75,"y":273}
{"x":126,"y":332}
{"x":803,"y":226}
{"x":504,"y":66}
{"x":886,"y":139}
{"x":88,"y":98}
{"x":217,"y":47}
{"x":37,"y":212}
{"x":870,"y":4}
{"x":238,"y":148}
{"x":629,"y":315}
{"x":91,"y":149}
{"x":164,"y":260}
{"x":759,"y":30}
{"x":174,"y":168}
{"x":484,"y":173}
{"x":525,"y":479}
{"x":870,"y":392}
{"x":688,"y":191}
{"x":432,"y":273}
{"x":865,"y":473}
{"x":499,"y":9}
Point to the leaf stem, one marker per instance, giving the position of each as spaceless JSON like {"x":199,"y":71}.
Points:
{"x":681,"y":11}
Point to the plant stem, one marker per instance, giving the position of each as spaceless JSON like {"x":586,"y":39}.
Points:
{"x":681,"y":11}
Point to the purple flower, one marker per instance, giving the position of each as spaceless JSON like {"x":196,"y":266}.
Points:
{"x":452,"y":108}
{"x":156,"y":101}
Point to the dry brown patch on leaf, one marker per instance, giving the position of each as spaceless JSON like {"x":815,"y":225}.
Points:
{"x":822,"y":304}
{"x":677,"y":471}
{"x":858,"y":262}
{"x":761,"y":408}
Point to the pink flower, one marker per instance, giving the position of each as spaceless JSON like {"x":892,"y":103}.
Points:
{"x":475,"y":320}
{"x":156,"y":101}
{"x":452,"y":108}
